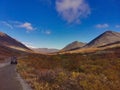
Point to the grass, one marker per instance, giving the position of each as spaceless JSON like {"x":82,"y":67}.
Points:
{"x":88,"y":71}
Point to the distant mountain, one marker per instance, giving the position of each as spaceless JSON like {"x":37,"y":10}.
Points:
{"x":44,"y":50}
{"x":105,"y":39}
{"x":74,"y":45}
{"x":8,"y":41}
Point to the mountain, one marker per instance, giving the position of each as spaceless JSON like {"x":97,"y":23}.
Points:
{"x":6,"y":52}
{"x":8,"y":41}
{"x":44,"y":50}
{"x":104,"y":39}
{"x":74,"y":45}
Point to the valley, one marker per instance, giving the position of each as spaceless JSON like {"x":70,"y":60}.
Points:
{"x":59,"y":44}
{"x":75,"y":67}
{"x":81,"y":71}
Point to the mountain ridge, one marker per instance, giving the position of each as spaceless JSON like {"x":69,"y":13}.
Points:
{"x":6,"y":40}
{"x":104,"y":39}
{"x":73,"y":45}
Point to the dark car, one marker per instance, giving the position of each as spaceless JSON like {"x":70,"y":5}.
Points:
{"x":13,"y":60}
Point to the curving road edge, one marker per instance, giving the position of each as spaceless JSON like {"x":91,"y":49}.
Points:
{"x":11,"y":79}
{"x":25,"y":86}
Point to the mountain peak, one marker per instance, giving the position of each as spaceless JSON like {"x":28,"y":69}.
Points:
{"x":110,"y":32}
{"x":104,"y":39}
{"x":2,"y":34}
{"x":76,"y":42}
{"x":73,"y":45}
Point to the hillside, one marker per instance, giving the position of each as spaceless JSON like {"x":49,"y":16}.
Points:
{"x":6,"y":52}
{"x":8,"y":41}
{"x":74,"y":45}
{"x":107,"y":37}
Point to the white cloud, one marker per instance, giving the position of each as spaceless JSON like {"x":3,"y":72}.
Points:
{"x":17,"y":24}
{"x":102,"y":26}
{"x":72,"y":10}
{"x":47,"y":32}
{"x":117,"y":26}
{"x":6,"y":24}
{"x":28,"y":26}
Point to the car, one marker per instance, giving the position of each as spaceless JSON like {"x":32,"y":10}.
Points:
{"x":13,"y":60}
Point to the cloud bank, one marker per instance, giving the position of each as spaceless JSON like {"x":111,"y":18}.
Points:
{"x":72,"y":10}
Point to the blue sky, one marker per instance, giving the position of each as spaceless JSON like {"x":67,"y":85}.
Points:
{"x":56,"y":23}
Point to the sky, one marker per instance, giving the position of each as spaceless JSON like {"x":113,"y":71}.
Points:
{"x":56,"y":23}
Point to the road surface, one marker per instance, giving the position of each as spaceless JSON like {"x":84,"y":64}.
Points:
{"x":9,"y":79}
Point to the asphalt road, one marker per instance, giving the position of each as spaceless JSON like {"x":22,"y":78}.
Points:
{"x":8,"y":78}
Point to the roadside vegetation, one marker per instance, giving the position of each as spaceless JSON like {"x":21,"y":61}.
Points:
{"x":82,"y":71}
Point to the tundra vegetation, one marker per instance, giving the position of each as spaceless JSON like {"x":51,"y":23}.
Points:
{"x":81,"y":71}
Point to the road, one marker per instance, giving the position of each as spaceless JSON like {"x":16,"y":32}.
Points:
{"x":9,"y":79}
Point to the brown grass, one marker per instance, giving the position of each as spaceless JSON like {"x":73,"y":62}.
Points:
{"x":81,"y":71}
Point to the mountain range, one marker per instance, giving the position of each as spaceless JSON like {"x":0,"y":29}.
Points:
{"x":108,"y":38}
{"x":44,"y":50}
